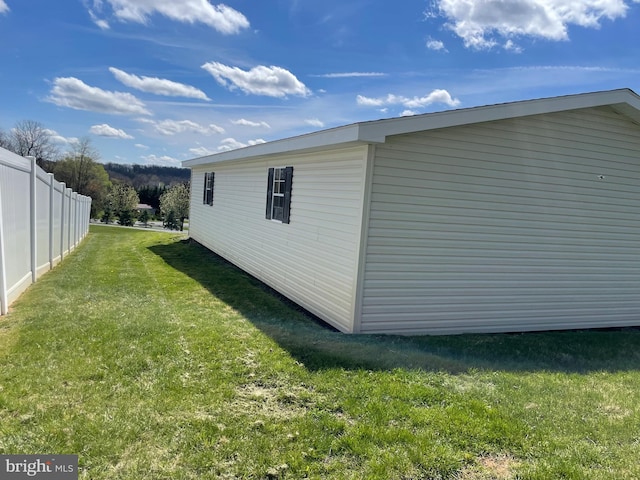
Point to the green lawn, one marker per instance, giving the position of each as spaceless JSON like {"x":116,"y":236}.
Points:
{"x":151,"y":358}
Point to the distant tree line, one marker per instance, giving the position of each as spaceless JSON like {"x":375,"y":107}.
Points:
{"x":139,"y":176}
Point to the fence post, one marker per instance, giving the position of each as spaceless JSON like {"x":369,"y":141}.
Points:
{"x":68,"y":190}
{"x":63,"y":188}
{"x":52,"y":191}
{"x":4,"y":308}
{"x":75,"y":218}
{"x":86,"y":216}
{"x":34,"y":224}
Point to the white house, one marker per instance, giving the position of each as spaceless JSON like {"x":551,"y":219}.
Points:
{"x":512,"y":217}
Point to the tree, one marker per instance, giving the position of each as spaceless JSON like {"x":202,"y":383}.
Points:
{"x":127,"y":218}
{"x":150,"y":194}
{"x":170,"y":222}
{"x":5,"y":140}
{"x":30,"y":138}
{"x":175,"y":202}
{"x":122,"y":201}
{"x":79,"y":163}
{"x":81,"y":172}
{"x":107,"y":214}
{"x":144,"y":218}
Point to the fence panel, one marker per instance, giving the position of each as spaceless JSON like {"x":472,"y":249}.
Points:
{"x":40,"y":221}
{"x":16,"y":261}
{"x":43,"y":222}
{"x":58,"y":188}
{"x":66,"y":211}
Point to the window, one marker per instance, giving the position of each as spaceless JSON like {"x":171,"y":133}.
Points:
{"x":207,"y":198}
{"x":279,"y":194}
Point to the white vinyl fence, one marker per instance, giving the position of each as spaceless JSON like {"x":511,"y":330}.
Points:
{"x":41,"y":221}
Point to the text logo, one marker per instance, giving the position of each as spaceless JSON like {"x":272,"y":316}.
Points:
{"x":45,"y":467}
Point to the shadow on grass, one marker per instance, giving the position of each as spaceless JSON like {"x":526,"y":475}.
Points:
{"x":319,"y":346}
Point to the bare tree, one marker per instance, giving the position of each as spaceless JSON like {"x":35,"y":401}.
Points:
{"x":30,"y":138}
{"x":82,"y":156}
{"x":5,"y":140}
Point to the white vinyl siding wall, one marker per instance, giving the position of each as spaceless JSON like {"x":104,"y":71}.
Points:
{"x":313,"y":259}
{"x":513,"y":225}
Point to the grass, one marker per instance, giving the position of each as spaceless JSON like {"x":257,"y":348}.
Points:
{"x":151,"y":358}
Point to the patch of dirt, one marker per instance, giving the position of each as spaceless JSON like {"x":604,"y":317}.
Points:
{"x":490,"y":467}
{"x":614,"y":411}
{"x":274,"y":401}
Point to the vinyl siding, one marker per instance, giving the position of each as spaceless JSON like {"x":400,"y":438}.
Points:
{"x":313,"y":259}
{"x":513,"y":225}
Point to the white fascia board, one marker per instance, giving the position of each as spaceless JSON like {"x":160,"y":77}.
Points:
{"x":624,"y":101}
{"x":340,"y":136}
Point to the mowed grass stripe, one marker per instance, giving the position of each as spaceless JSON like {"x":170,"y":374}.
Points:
{"x":152,"y":358}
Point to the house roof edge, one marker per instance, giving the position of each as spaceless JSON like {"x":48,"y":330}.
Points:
{"x":625,"y":101}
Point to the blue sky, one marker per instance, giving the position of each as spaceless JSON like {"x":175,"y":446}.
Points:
{"x":161,"y":81}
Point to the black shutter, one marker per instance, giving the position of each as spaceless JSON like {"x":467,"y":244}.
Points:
{"x":204,"y":195}
{"x":213,"y":178}
{"x":288,"y":181}
{"x":269,"y":193}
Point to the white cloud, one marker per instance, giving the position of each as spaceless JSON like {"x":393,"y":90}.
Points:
{"x":512,"y":47}
{"x":261,"y":80}
{"x":249,"y":123}
{"x":157,"y":86}
{"x":373,"y":102}
{"x":477,"y":22}
{"x":105,"y":130}
{"x":233,"y":144}
{"x":162,"y":160}
{"x":100,"y":22}
{"x":74,"y":93}
{"x":103,"y":24}
{"x":408,"y":113}
{"x":436,"y":96}
{"x":174,"y":127}
{"x":3,"y":7}
{"x":57,"y":138}
{"x":140,"y":145}
{"x":435,"y":45}
{"x":201,"y":151}
{"x":351,"y":74}
{"x":314,"y":122}
{"x":222,"y":18}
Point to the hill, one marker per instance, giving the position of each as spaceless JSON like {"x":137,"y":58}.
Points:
{"x":140,"y":176}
